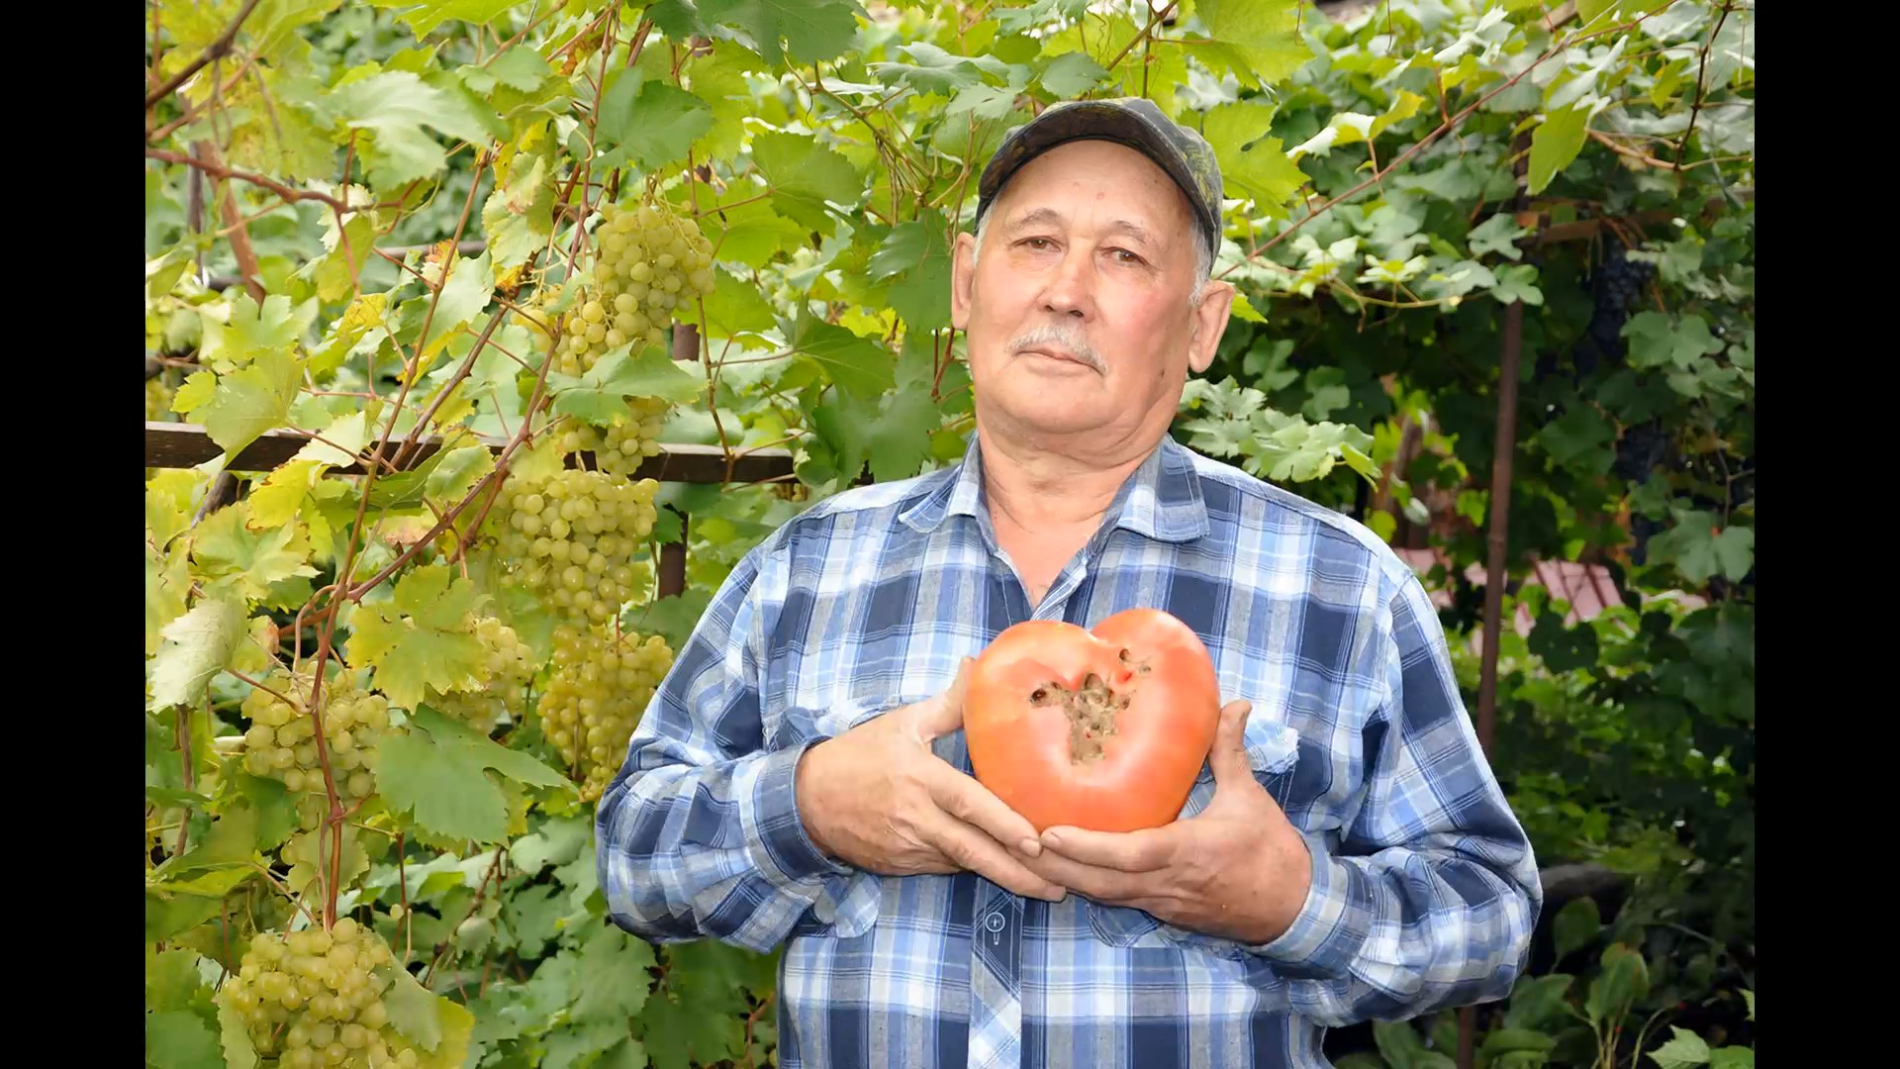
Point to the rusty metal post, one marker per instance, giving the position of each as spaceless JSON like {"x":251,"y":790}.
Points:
{"x":1497,"y":543}
{"x":672,"y":566}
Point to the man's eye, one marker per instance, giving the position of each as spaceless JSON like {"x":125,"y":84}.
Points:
{"x":1036,"y":243}
{"x":1125,"y":256}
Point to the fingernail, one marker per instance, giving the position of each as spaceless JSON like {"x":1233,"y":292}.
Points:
{"x":1030,"y":847}
{"x":1050,"y":838}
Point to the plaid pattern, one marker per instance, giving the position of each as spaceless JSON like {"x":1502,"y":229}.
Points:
{"x":1424,"y":891}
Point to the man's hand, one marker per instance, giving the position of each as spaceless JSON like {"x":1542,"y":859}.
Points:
{"x":1237,"y":870}
{"x":876,"y":798}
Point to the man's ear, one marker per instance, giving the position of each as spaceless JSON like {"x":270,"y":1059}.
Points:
{"x":962,"y":279}
{"x":1210,"y":322}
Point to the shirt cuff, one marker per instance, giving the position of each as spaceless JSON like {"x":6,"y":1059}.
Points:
{"x":1332,"y":923}
{"x":778,"y":837}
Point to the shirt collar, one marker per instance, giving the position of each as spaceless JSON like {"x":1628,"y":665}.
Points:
{"x":1161,"y":499}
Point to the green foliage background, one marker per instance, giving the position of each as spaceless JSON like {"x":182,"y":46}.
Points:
{"x":1398,"y":175}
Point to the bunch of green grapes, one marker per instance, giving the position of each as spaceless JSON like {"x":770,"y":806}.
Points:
{"x":571,"y":539}
{"x":312,"y":998}
{"x":158,"y":400}
{"x":619,"y":449}
{"x":505,"y":672}
{"x":281,"y":742}
{"x":600,"y":686}
{"x":650,"y":262}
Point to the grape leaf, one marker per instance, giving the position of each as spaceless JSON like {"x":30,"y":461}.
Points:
{"x":1250,"y":163}
{"x":420,"y":638}
{"x":750,"y":233}
{"x":556,"y":843}
{"x":275,"y":501}
{"x":196,"y":647}
{"x":171,"y":980}
{"x":1555,"y":142}
{"x":437,"y":769}
{"x":1517,"y":282}
{"x":244,"y":404}
{"x":336,"y":273}
{"x":1498,"y":234}
{"x":225,"y":547}
{"x":1259,"y":40}
{"x":518,"y":68}
{"x":178,"y":1039}
{"x":1700,"y":547}
{"x":424,"y":18}
{"x":859,"y":365}
{"x":396,"y":106}
{"x":736,"y":308}
{"x":1684,"y":1049}
{"x":167,"y":579}
{"x":627,"y":1054}
{"x":677,"y":1036}
{"x":804,"y":175}
{"x":519,"y":217}
{"x":471,"y":283}
{"x":1073,"y":73}
{"x":719,"y":80}
{"x":575,"y":1044}
{"x":613,"y":976}
{"x":439,"y":1027}
{"x":932,"y":70}
{"x":812,"y":30}
{"x":988,"y":102}
{"x":656,"y":127}
{"x":235,"y":1037}
{"x":1732,"y":1058}
{"x":599,"y":395}
{"x":251,"y":331}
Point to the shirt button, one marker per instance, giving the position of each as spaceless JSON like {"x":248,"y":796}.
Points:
{"x":995,"y":922}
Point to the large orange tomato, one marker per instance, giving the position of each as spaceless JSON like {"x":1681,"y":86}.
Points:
{"x":1103,"y":729}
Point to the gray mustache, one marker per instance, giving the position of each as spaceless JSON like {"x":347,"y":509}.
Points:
{"x":1070,"y":341}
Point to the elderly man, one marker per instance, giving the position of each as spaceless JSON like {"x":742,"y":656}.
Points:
{"x":800,"y":779}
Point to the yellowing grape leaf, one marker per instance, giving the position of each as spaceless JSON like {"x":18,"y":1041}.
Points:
{"x":438,"y":1027}
{"x":225,"y":548}
{"x":275,"y":501}
{"x":519,"y":217}
{"x":247,"y":402}
{"x":419,"y":638}
{"x":196,"y":647}
{"x":251,"y":331}
{"x":437,"y":771}
{"x":167,"y":580}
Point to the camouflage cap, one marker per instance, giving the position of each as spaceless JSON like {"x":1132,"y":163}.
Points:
{"x":1133,"y":121}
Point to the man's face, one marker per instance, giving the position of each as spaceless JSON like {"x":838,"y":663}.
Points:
{"x":1077,"y":310}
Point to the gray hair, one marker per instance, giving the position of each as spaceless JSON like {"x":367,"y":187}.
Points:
{"x":1203,"y":259}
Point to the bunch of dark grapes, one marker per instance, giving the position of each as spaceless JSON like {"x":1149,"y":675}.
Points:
{"x":1640,"y":450}
{"x":1617,"y":286}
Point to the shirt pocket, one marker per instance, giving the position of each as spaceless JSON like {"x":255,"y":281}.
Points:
{"x":1272,"y":752}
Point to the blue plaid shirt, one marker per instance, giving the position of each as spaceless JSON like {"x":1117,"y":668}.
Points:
{"x":1424,"y":887}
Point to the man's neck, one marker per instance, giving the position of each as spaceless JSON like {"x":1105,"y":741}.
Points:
{"x":1039,"y":491}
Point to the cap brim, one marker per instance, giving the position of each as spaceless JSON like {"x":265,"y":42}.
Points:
{"x":1088,"y":121}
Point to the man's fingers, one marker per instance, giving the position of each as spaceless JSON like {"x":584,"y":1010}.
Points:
{"x":1228,"y":758}
{"x":944,"y":713}
{"x":970,"y":802}
{"x":1111,"y":886}
{"x":971,"y":849}
{"x":1134,"y":851}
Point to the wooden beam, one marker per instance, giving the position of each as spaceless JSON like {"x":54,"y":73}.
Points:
{"x":184,"y":445}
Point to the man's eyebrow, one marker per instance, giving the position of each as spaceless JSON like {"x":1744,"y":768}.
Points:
{"x":1046,"y":216}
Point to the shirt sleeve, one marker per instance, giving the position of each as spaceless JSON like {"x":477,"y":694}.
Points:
{"x":1430,"y":899}
{"x":699,"y":834}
